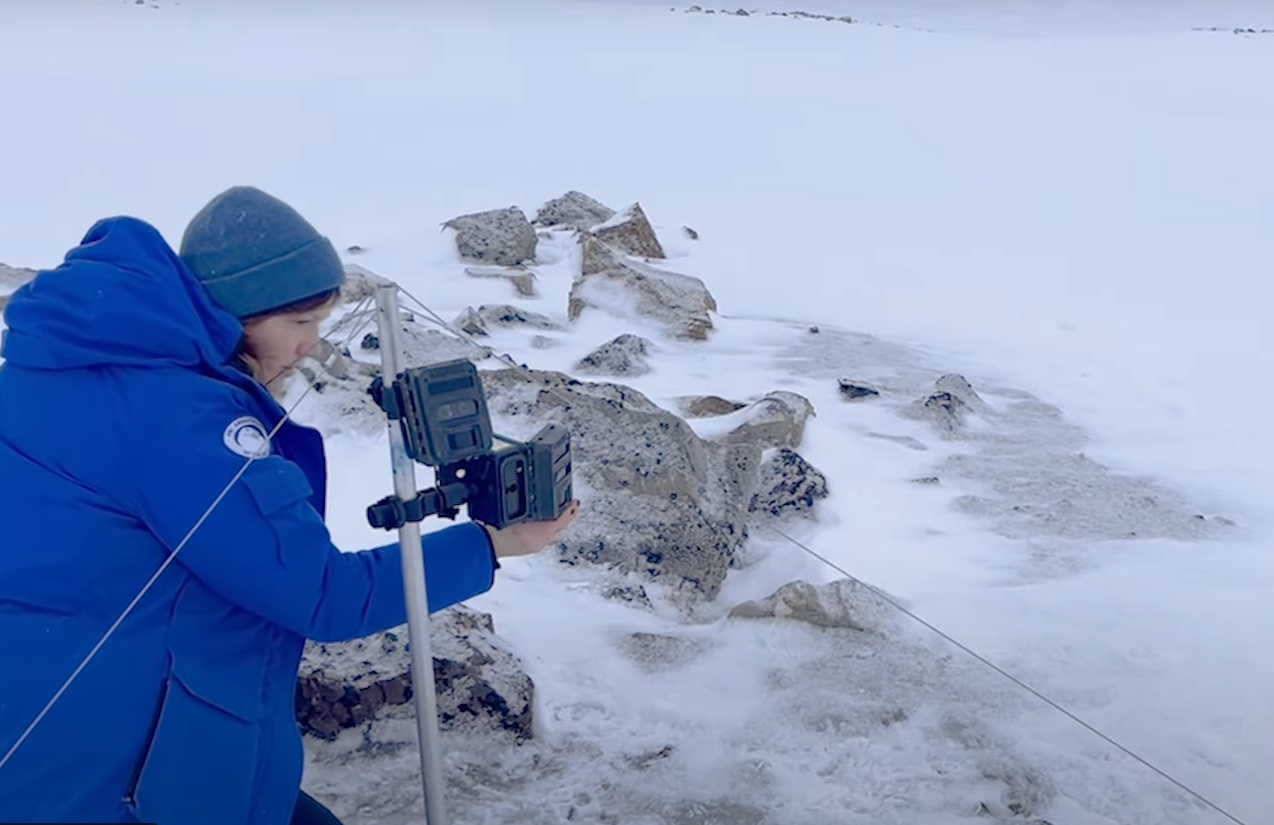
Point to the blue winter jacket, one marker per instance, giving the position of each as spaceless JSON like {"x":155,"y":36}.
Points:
{"x":120,"y":423}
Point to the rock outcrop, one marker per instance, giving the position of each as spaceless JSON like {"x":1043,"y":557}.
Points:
{"x":789,"y":484}
{"x":662,"y":502}
{"x":776,"y":420}
{"x":627,"y":288}
{"x":481,"y":684}
{"x":573,"y":210}
{"x":503,"y":237}
{"x":949,"y":404}
{"x":624,"y":355}
{"x":630,"y":232}
{"x":844,"y":603}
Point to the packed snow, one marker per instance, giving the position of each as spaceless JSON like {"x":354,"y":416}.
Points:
{"x":1065,"y":203}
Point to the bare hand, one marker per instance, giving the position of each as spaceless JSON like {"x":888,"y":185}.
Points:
{"x":528,"y":537}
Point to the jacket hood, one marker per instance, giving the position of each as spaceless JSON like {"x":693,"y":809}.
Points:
{"x":122,"y":297}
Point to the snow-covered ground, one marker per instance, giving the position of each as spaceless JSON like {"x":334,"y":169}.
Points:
{"x":1066,"y":203}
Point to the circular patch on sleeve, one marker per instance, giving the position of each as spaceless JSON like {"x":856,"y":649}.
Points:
{"x":247,"y":437}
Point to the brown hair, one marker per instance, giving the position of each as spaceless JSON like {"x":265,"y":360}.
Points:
{"x":323,"y":299}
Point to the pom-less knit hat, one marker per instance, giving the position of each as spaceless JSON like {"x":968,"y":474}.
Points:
{"x":254,"y":253}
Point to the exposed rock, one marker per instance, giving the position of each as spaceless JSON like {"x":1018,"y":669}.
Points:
{"x":574,"y":210}
{"x":948,"y":405}
{"x":500,"y":236}
{"x":371,"y":341}
{"x":630,"y":232}
{"x":843,"y":603}
{"x":507,"y":315}
{"x":355,"y":250}
{"x":789,"y":484}
{"x":655,"y":653}
{"x":662,"y":502}
{"x":633,"y":594}
{"x":624,"y":355}
{"x":857,"y":390}
{"x":777,"y":420}
{"x":360,"y":283}
{"x":625,"y":287}
{"x":481,"y":684}
{"x":470,"y":323}
{"x":423,"y":346}
{"x":708,"y":406}
{"x":690,"y":233}
{"x":522,"y":279}
{"x":478,"y":322}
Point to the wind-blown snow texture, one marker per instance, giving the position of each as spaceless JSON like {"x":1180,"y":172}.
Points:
{"x":1068,"y":204}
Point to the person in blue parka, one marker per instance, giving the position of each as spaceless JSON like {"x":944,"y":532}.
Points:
{"x":137,"y":384}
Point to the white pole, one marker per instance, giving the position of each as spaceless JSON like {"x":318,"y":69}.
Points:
{"x":422,"y":664}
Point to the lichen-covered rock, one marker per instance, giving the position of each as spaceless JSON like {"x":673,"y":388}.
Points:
{"x":624,"y":355}
{"x":788,"y":484}
{"x":630,"y":232}
{"x":507,"y":315}
{"x":627,"y":288}
{"x":776,"y":420}
{"x":844,"y":603}
{"x":481,"y":684}
{"x":662,"y":502}
{"x":851,"y":390}
{"x":500,"y":236}
{"x":360,"y":283}
{"x":470,"y":323}
{"x":709,"y":406}
{"x":948,"y":405}
{"x":573,"y":210}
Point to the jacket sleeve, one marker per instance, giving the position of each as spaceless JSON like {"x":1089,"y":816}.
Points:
{"x":266,"y":549}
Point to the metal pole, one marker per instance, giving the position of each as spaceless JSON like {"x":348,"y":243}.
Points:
{"x":424,"y":690}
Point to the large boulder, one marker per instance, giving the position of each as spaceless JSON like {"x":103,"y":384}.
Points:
{"x":624,"y":287}
{"x":661,"y":501}
{"x":500,"y":236}
{"x":574,"y":210}
{"x":789,"y":484}
{"x":481,"y":684}
{"x":630,"y":232}
{"x":623,"y":355}
{"x":776,"y":420}
{"x":948,"y":406}
{"x":707,"y":406}
{"x":480,"y":321}
{"x":844,"y":603}
{"x":360,"y":284}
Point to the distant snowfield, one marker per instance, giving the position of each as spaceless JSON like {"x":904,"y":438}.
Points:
{"x":1069,"y":206}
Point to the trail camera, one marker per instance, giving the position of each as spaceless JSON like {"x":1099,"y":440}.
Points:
{"x":442,"y":411}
